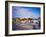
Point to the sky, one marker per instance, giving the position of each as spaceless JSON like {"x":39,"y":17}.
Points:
{"x":25,"y":12}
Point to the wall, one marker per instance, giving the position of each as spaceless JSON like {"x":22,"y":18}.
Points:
{"x":2,"y":17}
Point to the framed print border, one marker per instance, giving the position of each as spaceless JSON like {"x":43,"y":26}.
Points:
{"x":6,"y":18}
